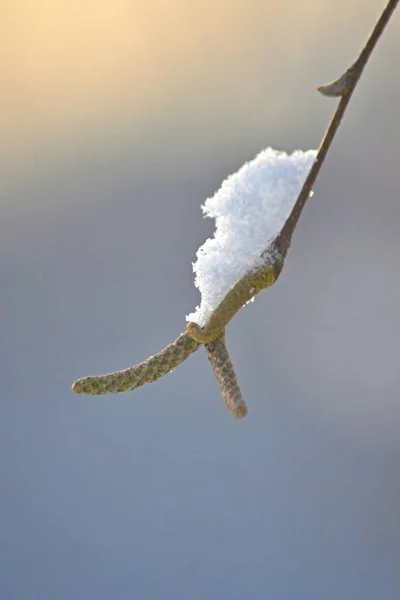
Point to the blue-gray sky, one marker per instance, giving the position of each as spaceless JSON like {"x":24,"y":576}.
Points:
{"x":120,"y":119}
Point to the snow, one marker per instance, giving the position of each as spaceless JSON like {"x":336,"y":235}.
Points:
{"x":249,"y":209}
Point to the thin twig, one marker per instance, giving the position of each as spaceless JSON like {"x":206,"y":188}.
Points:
{"x":349,"y":81}
{"x":156,"y":366}
{"x":243,"y":291}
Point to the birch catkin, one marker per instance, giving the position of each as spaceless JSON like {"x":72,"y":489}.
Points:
{"x":147,"y":371}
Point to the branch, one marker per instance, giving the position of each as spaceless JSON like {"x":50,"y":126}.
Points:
{"x":213,"y":334}
{"x":343,"y":87}
{"x":241,"y":293}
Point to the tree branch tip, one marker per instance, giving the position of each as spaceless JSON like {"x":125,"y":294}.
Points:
{"x":240,"y":412}
{"x":212,"y":334}
{"x":76,"y":387}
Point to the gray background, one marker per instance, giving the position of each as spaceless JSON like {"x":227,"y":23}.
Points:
{"x":119,"y":119}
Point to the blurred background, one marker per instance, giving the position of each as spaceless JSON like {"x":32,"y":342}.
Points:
{"x":118,"y":119}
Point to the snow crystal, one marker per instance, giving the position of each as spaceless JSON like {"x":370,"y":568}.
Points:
{"x":250,"y":209}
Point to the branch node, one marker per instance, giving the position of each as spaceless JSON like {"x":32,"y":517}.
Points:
{"x":341,"y":86}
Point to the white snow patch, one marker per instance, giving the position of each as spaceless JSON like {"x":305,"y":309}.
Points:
{"x":249,"y":209}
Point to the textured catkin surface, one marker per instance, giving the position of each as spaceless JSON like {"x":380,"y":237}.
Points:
{"x":222,"y":367}
{"x":175,"y":353}
{"x":147,"y":371}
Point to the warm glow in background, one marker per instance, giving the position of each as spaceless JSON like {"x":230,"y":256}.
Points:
{"x":70,"y":68}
